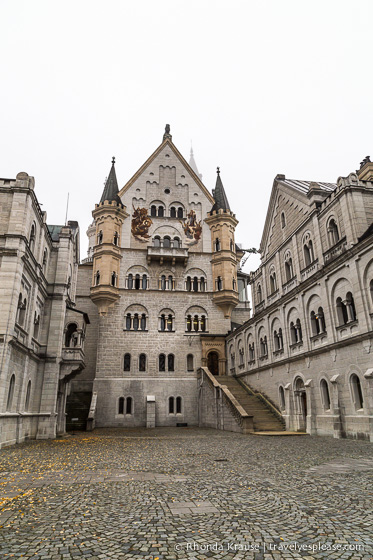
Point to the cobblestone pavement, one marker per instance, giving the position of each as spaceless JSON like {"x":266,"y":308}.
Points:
{"x":186,"y":493}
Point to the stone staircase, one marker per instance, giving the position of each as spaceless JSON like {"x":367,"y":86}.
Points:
{"x":265,"y":418}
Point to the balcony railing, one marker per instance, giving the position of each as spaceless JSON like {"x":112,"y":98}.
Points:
{"x":309,"y":270}
{"x":335,"y":251}
{"x":172,"y":254}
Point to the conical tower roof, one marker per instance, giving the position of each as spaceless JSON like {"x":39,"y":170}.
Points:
{"x":193,"y":165}
{"x":111,"y":186}
{"x":221,"y":200}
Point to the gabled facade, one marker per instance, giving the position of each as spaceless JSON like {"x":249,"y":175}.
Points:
{"x":308,"y":344}
{"x":159,"y":291}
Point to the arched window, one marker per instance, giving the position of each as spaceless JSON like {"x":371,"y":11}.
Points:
{"x":180,"y":212}
{"x":116,"y":238}
{"x":263,"y":347}
{"x":114,"y":279}
{"x":163,"y":323}
{"x":45,"y":260}
{"x":272,"y":281}
{"x":162,"y":362}
{"x":350,"y":306}
{"x":176,"y":243}
{"x":97,"y":278}
{"x":71,"y":336}
{"x":32,"y":237}
{"x":231,"y":244}
{"x":189,"y":323}
{"x":341,"y":312}
{"x":127,"y":362}
{"x":251,"y":352}
{"x":219,"y":283}
{"x":171,"y":362}
{"x":137,"y":282}
{"x":130,"y":282}
{"x":356,"y":391}
{"x":190,"y":362}
{"x":178,"y":405}
{"x":129,"y":405}
{"x":281,"y":393}
{"x":259,"y":293}
{"x":128,"y":322}
{"x":173,"y":212}
{"x":188,"y":284}
{"x":144,"y":284}
{"x":283,"y":220}
{"x":308,"y":250}
{"x":195,"y":284}
{"x":171,"y":405}
{"x":143,"y":322}
{"x":28,"y":394}
{"x":195,"y":323}
{"x":170,"y":323}
{"x":135,"y":322}
{"x":22,"y":305}
{"x":217,"y":244}
{"x":170,"y":285}
{"x":233,"y":283}
{"x":325,"y":396}
{"x":153,"y":211}
{"x":36,"y":325}
{"x":333,"y":233}
{"x":100,"y":237}
{"x":202,"y":284}
{"x":121,"y":405}
{"x":163,"y":282}
{"x":142,"y":362}
{"x":160,"y":211}
{"x":203,"y":323}
{"x":166,"y":242}
{"x":318,"y":325}
{"x":157,"y":242}
{"x":296,"y":335}
{"x":278,"y":340}
{"x":9,"y":401}
{"x":289,"y":271}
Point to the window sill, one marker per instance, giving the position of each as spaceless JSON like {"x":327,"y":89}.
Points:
{"x":262,"y":358}
{"x":296,"y":345}
{"x":349,"y":324}
{"x":134,"y":330}
{"x":278,"y":352}
{"x":251,"y":362}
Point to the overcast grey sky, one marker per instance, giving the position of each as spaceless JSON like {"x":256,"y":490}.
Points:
{"x":260,"y":87}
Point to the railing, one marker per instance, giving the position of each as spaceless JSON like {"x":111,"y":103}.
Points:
{"x":91,"y":420}
{"x":168,"y":253}
{"x":265,"y":400}
{"x":309,"y":270}
{"x":335,"y":251}
{"x":290,"y":284}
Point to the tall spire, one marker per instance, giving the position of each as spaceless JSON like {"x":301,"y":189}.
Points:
{"x":111,"y":186}
{"x":221,"y":200}
{"x":193,"y":164}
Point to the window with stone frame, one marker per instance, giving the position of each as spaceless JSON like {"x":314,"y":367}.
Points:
{"x":127,"y":362}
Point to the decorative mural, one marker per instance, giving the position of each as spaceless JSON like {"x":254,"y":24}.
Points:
{"x":192,"y":228}
{"x":140,"y":224}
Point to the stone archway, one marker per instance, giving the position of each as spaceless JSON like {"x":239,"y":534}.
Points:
{"x":213,"y":362}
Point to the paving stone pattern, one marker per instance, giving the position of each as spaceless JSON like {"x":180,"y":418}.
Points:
{"x":176,"y":493}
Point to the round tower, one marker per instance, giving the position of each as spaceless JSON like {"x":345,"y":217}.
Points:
{"x":109,"y":216}
{"x":222,"y":223}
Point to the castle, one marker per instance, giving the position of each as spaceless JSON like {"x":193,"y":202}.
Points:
{"x":153,"y":328}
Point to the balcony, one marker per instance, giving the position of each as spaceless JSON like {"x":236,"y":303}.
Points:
{"x":309,"y":270}
{"x":168,"y":254}
{"x":290,"y":284}
{"x":335,"y":251}
{"x":72,"y":361}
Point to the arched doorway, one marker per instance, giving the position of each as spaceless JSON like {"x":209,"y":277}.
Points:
{"x":213,"y":363}
{"x":301,"y":402}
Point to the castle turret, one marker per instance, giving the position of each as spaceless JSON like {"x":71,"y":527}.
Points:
{"x":109,"y":215}
{"x":222,"y":223}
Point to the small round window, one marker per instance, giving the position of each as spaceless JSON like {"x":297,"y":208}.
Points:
{"x":167,"y":191}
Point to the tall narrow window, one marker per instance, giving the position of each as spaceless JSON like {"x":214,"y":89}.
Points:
{"x":178,"y":405}
{"x":127,"y":362}
{"x":97,"y":278}
{"x":142,"y":362}
{"x":28,"y":394}
{"x":9,"y":402}
{"x":160,"y":211}
{"x":156,"y":242}
{"x":169,"y":323}
{"x":189,"y":323}
{"x":203,"y":323}
{"x":128,"y":321}
{"x":166,"y":242}
{"x":171,"y":405}
{"x":282,"y":397}
{"x":153,"y":211}
{"x":283,"y":221}
{"x":341,"y":312}
{"x":325,"y":396}
{"x":130,"y":281}
{"x":195,"y":323}
{"x":163,"y":323}
{"x":219,"y":283}
{"x":217,"y":244}
{"x":162,"y":362}
{"x":173,"y":212}
{"x":163,"y":282}
{"x":144,"y":282}
{"x":143,"y":322}
{"x":180,"y":212}
{"x":202,"y":284}
{"x":113,"y":279}
{"x":188,"y":284}
{"x":190,"y":360}
{"x":170,"y":283}
{"x":129,"y":405}
{"x":333,"y":233}
{"x":137,"y":282}
{"x":32,"y":237}
{"x":171,"y":362}
{"x":195,"y":284}
{"x":259,"y":293}
{"x":357,"y":393}
{"x":121,"y":405}
{"x":116,"y":238}
{"x":100,"y":237}
{"x":136,"y":322}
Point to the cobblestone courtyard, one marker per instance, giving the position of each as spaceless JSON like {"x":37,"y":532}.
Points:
{"x":186,"y":493}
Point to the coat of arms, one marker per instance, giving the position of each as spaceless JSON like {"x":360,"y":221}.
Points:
{"x":192,"y":228}
{"x":140,"y":224}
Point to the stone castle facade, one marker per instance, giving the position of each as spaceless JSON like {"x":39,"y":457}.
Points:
{"x":141,"y":331}
{"x":308,"y":346}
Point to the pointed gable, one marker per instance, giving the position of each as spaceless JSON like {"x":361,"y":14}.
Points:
{"x":290,"y":198}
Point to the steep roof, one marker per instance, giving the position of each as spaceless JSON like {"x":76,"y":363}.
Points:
{"x":221,"y":200}
{"x":111,"y":186}
{"x":304,"y":186}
